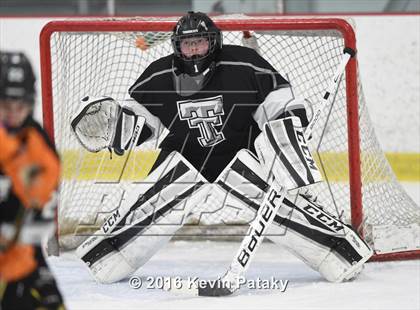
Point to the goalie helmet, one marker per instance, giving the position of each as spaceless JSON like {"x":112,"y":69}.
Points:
{"x":17,"y":80}
{"x":193,"y":72}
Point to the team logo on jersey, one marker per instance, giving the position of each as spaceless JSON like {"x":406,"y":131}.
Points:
{"x":204,"y":114}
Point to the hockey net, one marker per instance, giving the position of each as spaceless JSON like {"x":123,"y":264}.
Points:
{"x":105,"y":57}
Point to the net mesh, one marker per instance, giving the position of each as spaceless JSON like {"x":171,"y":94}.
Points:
{"x":107,"y":63}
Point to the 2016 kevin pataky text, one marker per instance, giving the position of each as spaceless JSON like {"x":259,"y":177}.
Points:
{"x":257,"y":283}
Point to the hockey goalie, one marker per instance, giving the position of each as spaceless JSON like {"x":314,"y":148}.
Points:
{"x":210,"y":107}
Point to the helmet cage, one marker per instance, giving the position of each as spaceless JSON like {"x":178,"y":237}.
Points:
{"x":210,"y":36}
{"x":199,"y":63}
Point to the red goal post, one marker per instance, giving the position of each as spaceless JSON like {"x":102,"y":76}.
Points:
{"x":261,"y":26}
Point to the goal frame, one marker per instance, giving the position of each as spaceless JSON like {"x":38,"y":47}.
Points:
{"x":253,"y":24}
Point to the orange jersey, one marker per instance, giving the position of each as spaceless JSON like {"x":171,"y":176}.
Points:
{"x":32,"y":165}
{"x":33,"y":168}
{"x":8,"y":145}
{"x":17,"y":262}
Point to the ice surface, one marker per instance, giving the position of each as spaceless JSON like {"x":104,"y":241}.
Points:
{"x":391,"y":285}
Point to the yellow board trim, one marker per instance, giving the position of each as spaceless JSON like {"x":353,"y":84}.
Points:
{"x":106,"y":167}
{"x":406,"y":166}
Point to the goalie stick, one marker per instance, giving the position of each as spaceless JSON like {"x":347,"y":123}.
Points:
{"x":273,"y":199}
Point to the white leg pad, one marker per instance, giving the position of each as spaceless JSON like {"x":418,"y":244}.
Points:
{"x":112,"y":268}
{"x":283,"y":151}
{"x":321,"y":241}
{"x":146,"y":222}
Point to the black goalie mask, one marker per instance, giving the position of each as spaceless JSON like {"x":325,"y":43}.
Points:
{"x":192,"y":72}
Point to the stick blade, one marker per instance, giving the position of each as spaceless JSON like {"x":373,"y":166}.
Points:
{"x":214,"y":289}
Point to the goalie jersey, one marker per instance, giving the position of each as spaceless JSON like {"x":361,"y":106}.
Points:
{"x":210,"y":126}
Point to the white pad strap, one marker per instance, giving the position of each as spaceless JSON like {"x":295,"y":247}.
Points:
{"x":283,"y":152}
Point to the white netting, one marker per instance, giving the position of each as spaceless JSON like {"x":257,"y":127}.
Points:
{"x":107,"y":63}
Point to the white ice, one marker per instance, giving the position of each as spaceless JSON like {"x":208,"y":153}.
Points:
{"x":389,"y":285}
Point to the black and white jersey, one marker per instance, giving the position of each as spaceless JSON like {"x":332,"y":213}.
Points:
{"x":209,"y":127}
